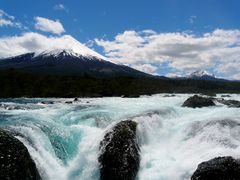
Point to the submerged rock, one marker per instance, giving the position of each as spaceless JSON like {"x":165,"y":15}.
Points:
{"x":209,"y":130}
{"x":15,"y":161}
{"x":198,"y":101}
{"x":220,"y":168}
{"x":169,"y":95}
{"x":209,"y":94}
{"x":119,"y":153}
{"x":19,"y":106}
{"x":47,"y":102}
{"x":68,"y":102}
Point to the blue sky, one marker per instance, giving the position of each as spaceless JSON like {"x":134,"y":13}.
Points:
{"x":89,"y":21}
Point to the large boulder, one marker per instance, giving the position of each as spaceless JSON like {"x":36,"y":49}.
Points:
{"x":119,"y":152}
{"x":220,"y":168}
{"x":15,"y":161}
{"x":198,"y":101}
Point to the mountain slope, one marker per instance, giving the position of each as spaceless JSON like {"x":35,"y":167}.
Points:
{"x":81,"y":62}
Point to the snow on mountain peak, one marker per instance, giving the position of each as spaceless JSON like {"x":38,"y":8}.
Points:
{"x":59,"y":52}
{"x":201,"y":73}
{"x":69,"y":46}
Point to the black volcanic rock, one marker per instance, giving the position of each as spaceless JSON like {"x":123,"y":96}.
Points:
{"x":220,"y":168}
{"x":119,"y":153}
{"x":225,"y":95}
{"x":198,"y":101}
{"x":68,"y":102}
{"x":131,"y":96}
{"x":229,"y":103}
{"x":15,"y":161}
{"x":75,"y":99}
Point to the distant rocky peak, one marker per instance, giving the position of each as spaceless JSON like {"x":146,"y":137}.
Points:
{"x":201,"y":73}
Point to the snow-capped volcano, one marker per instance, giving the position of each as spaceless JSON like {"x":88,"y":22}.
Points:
{"x":201,"y":74}
{"x":57,"y":53}
{"x":78,"y":60}
{"x":67,"y":56}
{"x":69,"y":47}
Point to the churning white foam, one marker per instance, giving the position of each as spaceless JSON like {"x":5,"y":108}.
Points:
{"x":63,"y":139}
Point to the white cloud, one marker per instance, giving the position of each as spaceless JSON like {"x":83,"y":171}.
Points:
{"x":48,"y":25}
{"x":35,"y":42}
{"x":236,"y":76}
{"x":8,"y":20}
{"x":60,"y":7}
{"x":183,"y":52}
{"x":174,"y":75}
{"x":147,"y":68}
{"x":3,"y":13}
{"x":4,"y":22}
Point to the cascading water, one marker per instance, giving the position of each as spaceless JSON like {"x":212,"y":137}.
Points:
{"x":63,"y":139}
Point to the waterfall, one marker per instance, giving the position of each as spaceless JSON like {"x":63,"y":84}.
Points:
{"x":63,"y":139}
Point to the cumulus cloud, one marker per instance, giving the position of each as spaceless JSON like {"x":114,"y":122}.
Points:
{"x":48,"y":25}
{"x":183,"y":52}
{"x":35,"y":42}
{"x":8,"y":20}
{"x":148,"y":68}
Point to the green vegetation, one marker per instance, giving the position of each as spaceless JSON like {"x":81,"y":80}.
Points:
{"x":18,"y":84}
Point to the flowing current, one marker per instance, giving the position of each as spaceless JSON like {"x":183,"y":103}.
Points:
{"x":63,"y":139}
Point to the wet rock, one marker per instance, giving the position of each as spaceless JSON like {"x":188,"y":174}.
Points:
{"x":75,"y":99}
{"x":198,"y":101}
{"x":220,"y":168}
{"x":47,"y":102}
{"x":15,"y":161}
{"x":130,"y":96}
{"x":229,"y":103}
{"x":68,"y":102}
{"x":225,"y":95}
{"x":119,"y":153}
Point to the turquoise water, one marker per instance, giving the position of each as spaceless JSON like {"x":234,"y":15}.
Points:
{"x":63,"y":139}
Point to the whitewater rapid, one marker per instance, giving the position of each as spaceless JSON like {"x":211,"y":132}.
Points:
{"x":63,"y":139}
